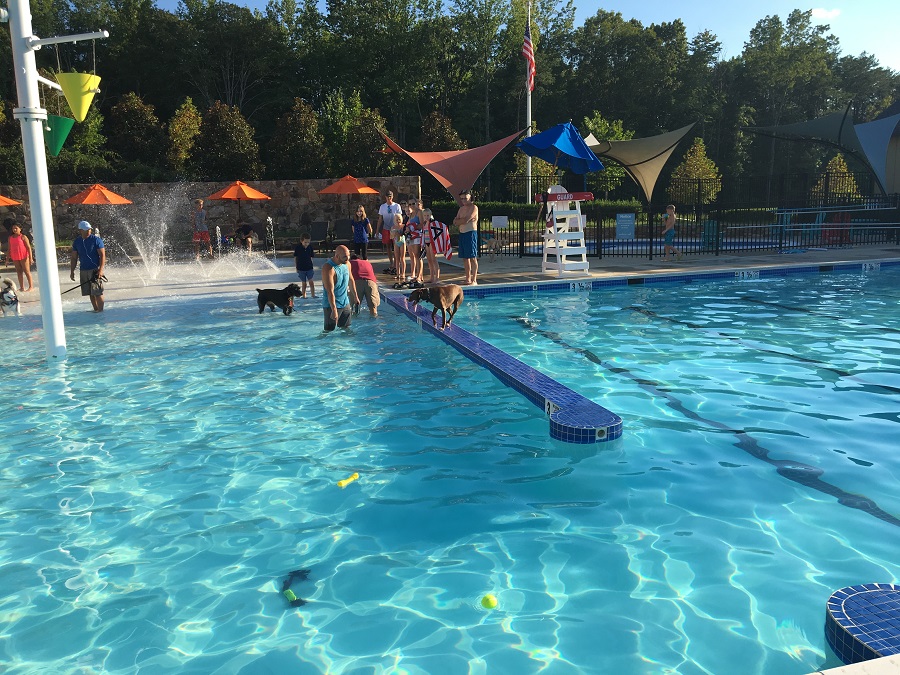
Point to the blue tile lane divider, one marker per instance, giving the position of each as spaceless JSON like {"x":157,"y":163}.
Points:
{"x":863,"y":622}
{"x":573,"y":418}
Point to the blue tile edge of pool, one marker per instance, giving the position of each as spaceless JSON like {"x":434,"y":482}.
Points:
{"x":574,"y":418}
{"x":862,"y":622}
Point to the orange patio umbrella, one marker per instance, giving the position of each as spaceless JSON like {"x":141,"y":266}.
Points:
{"x":348,"y":185}
{"x":97,"y":194}
{"x":239,"y":192}
{"x":6,"y":201}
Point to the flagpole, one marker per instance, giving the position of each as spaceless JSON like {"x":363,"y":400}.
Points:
{"x":528,"y":121}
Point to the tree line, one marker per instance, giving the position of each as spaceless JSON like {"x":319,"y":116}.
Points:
{"x":215,"y":91}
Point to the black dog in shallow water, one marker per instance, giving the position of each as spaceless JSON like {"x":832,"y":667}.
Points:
{"x":278,"y":297}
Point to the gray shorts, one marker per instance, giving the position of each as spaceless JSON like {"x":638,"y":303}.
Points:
{"x":368,"y":289}
{"x":345,"y":316}
{"x":88,"y":285}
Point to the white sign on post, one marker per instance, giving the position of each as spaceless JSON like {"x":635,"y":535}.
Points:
{"x":624,"y":226}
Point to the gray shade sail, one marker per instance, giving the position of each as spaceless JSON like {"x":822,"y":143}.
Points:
{"x":871,"y":142}
{"x":642,"y":158}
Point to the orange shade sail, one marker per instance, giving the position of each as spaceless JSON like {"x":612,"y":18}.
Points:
{"x":97,"y":194}
{"x":348,"y":185}
{"x":239,"y":191}
{"x":6,"y":201}
{"x":455,"y":169}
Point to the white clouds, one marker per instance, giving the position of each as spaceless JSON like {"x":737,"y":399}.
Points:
{"x":820,"y":14}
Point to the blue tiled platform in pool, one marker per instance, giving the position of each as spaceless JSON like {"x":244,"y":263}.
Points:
{"x":863,"y":622}
{"x":573,"y":418}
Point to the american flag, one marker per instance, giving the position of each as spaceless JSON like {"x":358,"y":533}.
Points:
{"x":528,"y":53}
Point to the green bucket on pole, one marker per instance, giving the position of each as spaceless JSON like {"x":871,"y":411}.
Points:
{"x":56,"y":131}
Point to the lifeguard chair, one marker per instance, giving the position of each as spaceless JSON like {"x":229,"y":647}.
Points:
{"x":565,"y":249}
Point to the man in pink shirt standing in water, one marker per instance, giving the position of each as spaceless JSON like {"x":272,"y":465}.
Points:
{"x":366,"y":282}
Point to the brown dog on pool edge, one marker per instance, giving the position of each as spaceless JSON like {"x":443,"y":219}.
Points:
{"x":278,"y":297}
{"x":444,"y":298}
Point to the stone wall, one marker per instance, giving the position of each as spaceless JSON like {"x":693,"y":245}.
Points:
{"x":294,"y":204}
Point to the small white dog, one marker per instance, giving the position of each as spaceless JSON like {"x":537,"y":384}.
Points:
{"x":9,"y":299}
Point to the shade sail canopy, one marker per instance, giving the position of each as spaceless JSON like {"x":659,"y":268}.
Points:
{"x":6,"y":201}
{"x":97,"y":194}
{"x":642,"y":158}
{"x":870,"y":142}
{"x":239,"y":191}
{"x":348,"y":185}
{"x":563,"y":147}
{"x":456,"y":169}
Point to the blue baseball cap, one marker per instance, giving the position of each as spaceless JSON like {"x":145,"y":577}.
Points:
{"x":84,"y":225}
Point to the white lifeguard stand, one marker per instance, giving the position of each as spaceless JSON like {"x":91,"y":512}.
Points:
{"x":565,"y":249}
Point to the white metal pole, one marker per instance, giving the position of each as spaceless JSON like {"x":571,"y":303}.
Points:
{"x":528,"y":195}
{"x":31,"y":117}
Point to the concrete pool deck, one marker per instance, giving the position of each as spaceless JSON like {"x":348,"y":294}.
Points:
{"x":124,"y":281}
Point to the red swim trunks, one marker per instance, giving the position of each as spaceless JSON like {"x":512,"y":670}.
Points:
{"x":201,"y":236}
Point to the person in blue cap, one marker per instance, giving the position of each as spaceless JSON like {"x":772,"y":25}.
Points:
{"x":89,"y":251}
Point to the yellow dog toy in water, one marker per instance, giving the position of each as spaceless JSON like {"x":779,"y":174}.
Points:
{"x":344,"y":483}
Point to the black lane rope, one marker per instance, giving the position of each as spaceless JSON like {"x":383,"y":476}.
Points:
{"x":806,"y":310}
{"x":840,"y":372}
{"x":804,"y":474}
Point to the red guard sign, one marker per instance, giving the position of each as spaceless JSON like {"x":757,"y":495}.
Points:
{"x":565,"y":197}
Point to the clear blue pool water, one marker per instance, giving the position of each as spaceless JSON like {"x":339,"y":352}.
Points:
{"x":157,"y":486}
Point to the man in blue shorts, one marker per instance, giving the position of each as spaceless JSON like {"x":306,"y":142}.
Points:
{"x":467,"y":222}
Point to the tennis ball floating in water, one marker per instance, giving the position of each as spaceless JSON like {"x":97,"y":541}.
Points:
{"x":489,"y":601}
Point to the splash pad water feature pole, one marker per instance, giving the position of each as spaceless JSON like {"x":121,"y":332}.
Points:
{"x":31,"y":117}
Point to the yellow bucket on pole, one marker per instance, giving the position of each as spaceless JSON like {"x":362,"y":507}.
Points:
{"x":79,"y":89}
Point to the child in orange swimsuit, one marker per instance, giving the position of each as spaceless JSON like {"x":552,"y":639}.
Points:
{"x":21,"y":255}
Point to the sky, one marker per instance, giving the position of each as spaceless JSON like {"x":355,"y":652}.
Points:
{"x":859,"y":25}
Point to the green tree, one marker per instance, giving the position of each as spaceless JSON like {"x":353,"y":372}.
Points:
{"x":368,"y":158}
{"x":184,"y":127}
{"x":225,"y":148}
{"x":297,"y":149}
{"x":696,"y":177}
{"x":835,"y":183}
{"x":83,"y":158}
{"x":134,"y":132}
{"x":606,"y":130}
{"x":337,"y":114}
{"x":438,"y":134}
{"x":786,"y":77}
{"x":12,"y":160}
{"x":871,"y":87}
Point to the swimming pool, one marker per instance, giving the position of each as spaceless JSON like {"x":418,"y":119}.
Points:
{"x":765,"y":409}
{"x":163,"y":480}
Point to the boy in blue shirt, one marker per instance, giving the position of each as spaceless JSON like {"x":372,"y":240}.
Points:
{"x":303,"y":255}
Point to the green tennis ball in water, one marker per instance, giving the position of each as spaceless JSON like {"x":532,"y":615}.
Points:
{"x":489,"y":601}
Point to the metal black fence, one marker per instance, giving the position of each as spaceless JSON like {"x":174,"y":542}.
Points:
{"x":705,"y":229}
{"x":793,"y":190}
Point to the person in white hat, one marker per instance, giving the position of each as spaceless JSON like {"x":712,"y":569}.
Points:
{"x":90,"y":251}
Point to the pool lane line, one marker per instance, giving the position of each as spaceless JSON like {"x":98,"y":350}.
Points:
{"x":807,"y":310}
{"x":804,"y":474}
{"x":843,"y":374}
